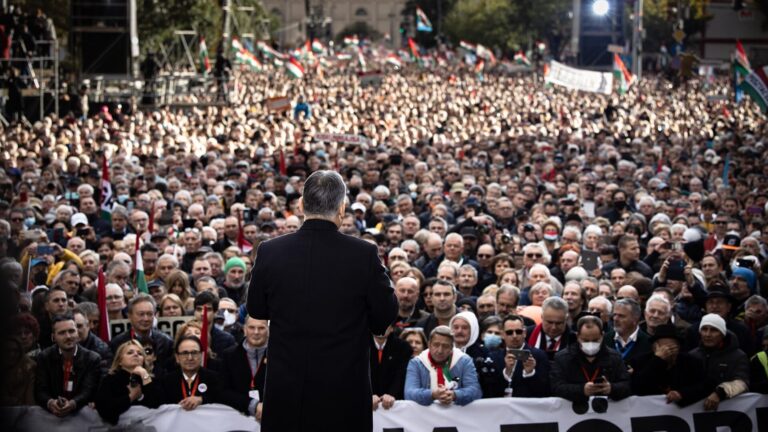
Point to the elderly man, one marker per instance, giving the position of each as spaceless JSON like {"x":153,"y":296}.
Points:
{"x":244,"y":368}
{"x":527,"y":376}
{"x":726,"y":366}
{"x":589,"y":368}
{"x":442,"y":373}
{"x":230,"y":235}
{"x":552,"y":335}
{"x":453,"y":250}
{"x":141,"y":314}
{"x":165,"y":265}
{"x":626,"y":337}
{"x":407,"y":293}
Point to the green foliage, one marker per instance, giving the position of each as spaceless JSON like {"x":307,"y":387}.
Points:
{"x":508,"y":25}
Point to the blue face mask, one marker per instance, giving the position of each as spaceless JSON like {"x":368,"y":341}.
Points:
{"x":122,"y":198}
{"x":491,"y":341}
{"x":71,"y":195}
{"x":29,"y":222}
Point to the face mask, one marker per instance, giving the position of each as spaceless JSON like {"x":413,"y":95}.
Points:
{"x":122,"y":198}
{"x":229,"y":318}
{"x":29,"y":222}
{"x":71,"y":195}
{"x":620,"y":204}
{"x":590,"y":348}
{"x":492,"y":341}
{"x":289,"y":189}
{"x":550,"y":235}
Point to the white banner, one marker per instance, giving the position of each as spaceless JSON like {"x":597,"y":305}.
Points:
{"x":579,"y":79}
{"x":745,"y":413}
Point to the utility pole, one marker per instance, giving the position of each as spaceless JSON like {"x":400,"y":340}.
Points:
{"x":637,"y":39}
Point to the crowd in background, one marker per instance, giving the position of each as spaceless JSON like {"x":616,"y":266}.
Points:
{"x":541,"y":242}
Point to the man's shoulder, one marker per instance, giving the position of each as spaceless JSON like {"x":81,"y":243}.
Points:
{"x":231,"y":352}
{"x":89,"y":356}
{"x":160,"y":336}
{"x":221,"y":334}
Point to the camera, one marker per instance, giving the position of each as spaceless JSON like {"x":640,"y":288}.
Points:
{"x":134,"y":380}
{"x":529,"y":227}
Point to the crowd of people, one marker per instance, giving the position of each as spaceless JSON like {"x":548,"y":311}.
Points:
{"x":541,"y":242}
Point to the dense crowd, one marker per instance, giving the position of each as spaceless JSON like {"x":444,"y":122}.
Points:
{"x":541,"y":242}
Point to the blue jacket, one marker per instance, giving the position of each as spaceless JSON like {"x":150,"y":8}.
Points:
{"x":417,"y":383}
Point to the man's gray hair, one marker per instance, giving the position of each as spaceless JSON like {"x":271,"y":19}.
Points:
{"x":441,"y":330}
{"x":324,"y":192}
{"x":470,"y":268}
{"x":555,"y":303}
{"x":634,"y":307}
{"x":755,"y":300}
{"x":139,"y":298}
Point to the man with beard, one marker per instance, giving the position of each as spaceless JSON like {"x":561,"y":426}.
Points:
{"x":407,"y":293}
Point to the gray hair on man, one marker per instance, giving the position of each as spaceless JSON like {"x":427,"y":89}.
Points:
{"x":324,"y":194}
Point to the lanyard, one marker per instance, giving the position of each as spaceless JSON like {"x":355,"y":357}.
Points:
{"x":258,"y":368}
{"x":624,"y":351}
{"x":594,"y":375}
{"x":192,"y":389}
{"x":68,"y":386}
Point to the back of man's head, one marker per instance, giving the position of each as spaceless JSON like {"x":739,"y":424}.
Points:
{"x":324,"y":192}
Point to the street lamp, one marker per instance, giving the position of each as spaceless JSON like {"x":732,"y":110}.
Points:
{"x":601,"y":7}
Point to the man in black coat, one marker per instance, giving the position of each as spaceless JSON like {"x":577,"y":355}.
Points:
{"x":515,"y":377}
{"x":244,"y":369}
{"x":553,"y":334}
{"x":141,"y":313}
{"x":67,"y":375}
{"x":389,"y":361}
{"x":324,"y":294}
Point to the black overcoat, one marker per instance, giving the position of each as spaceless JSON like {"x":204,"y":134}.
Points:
{"x":324,"y":293}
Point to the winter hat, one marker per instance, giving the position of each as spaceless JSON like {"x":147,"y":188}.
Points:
{"x":234,"y":262}
{"x":714,"y":320}
{"x":746,"y":274}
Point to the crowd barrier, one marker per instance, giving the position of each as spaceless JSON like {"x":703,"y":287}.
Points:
{"x":748,"y":412}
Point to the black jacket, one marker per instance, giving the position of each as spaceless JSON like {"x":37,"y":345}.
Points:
{"x":208,"y":387}
{"x":112,"y":398}
{"x":220,"y":341}
{"x":567,"y":378}
{"x":568,"y":338}
{"x":388,"y":377}
{"x":725,"y":364}
{"x":236,"y":378}
{"x":93,"y":343}
{"x":325,"y":293}
{"x":161,"y":344}
{"x":535,"y":386}
{"x":49,"y":376}
{"x":641,"y":346}
{"x":652,"y":377}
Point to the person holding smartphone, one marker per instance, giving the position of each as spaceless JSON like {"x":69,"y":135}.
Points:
{"x":127,"y":384}
{"x":521,"y":370}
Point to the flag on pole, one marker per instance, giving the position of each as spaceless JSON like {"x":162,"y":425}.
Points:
{"x":101,"y":295}
{"x":151,"y":225}
{"x":423,"y":23}
{"x":521,"y":58}
{"x":394,"y":60}
{"x":485,"y":53}
{"x":467,"y":46}
{"x":294,"y":68}
{"x":269,"y":52}
{"x":245,"y":57}
{"x":205,"y":63}
{"x":204,"y":336}
{"x":624,"y":77}
{"x":361,"y":58}
{"x":140,"y":282}
{"x":741,"y":69}
{"x":242,"y":243}
{"x":106,"y":191}
{"x":414,"y":50}
{"x":756,"y":85}
{"x":317,"y":46}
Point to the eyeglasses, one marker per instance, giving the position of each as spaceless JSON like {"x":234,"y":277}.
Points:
{"x":17,"y":219}
{"x":189,"y":354}
{"x":717,"y":222}
{"x":149,"y":351}
{"x":484,"y":255}
{"x":533,"y":255}
{"x":514,"y":332}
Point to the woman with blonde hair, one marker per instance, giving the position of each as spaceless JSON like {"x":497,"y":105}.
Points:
{"x":177,"y":283}
{"x":171,"y":306}
{"x":127,"y":384}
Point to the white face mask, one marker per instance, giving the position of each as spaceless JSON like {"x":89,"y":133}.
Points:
{"x":590,"y":348}
{"x":229,"y":318}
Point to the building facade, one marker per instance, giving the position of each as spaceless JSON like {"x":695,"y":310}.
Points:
{"x":333,"y":16}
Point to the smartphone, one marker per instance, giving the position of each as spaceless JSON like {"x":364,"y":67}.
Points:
{"x":44,"y":250}
{"x":754,"y":210}
{"x":590,"y":260}
{"x":134,"y":380}
{"x":741,"y":262}
{"x":130,"y":205}
{"x":520,"y":354}
{"x":188,"y":223}
{"x":599,"y":380}
{"x":82,"y":232}
{"x":675,"y":270}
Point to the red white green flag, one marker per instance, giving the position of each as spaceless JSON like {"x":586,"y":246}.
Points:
{"x":521,"y":58}
{"x":623,"y":75}
{"x":756,"y":85}
{"x":205,"y":63}
{"x":294,"y":68}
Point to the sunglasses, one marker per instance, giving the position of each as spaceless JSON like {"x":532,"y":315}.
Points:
{"x":514,"y":332}
{"x":484,"y":256}
{"x":534,"y":255}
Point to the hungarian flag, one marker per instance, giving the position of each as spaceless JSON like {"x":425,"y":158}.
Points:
{"x":268,"y":51}
{"x":351,"y":40}
{"x":624,"y":77}
{"x":394,"y":60}
{"x":423,"y":23}
{"x":140,"y":282}
{"x":294,"y":68}
{"x":520,"y":58}
{"x":101,"y":295}
{"x":756,"y":85}
{"x":205,"y":63}
{"x":485,"y":53}
{"x":317,"y":46}
{"x":467,"y":46}
{"x":106,"y":191}
{"x":741,"y":69}
{"x":414,"y":49}
{"x":242,"y":243}
{"x":361,"y":58}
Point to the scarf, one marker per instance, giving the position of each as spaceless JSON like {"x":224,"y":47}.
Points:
{"x":444,"y":377}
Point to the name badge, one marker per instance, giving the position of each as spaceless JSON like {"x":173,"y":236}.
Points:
{"x":254,"y":394}
{"x":202,"y":388}
{"x":70,"y":386}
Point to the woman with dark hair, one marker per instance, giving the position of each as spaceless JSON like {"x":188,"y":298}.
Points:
{"x":192,"y":385}
{"x":127,"y":384}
